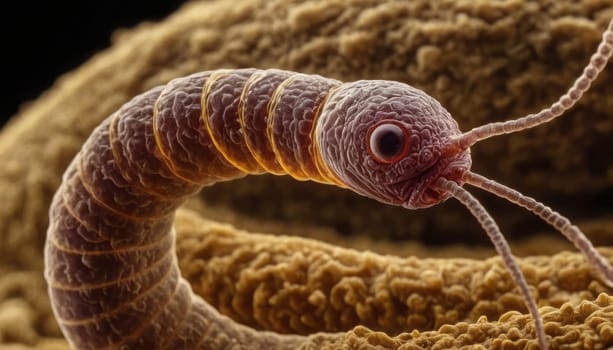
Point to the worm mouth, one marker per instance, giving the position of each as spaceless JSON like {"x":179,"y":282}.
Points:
{"x":431,"y":196}
{"x":427,"y":194}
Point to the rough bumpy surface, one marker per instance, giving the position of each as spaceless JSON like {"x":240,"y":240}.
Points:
{"x":482,"y":60}
{"x":294,"y":285}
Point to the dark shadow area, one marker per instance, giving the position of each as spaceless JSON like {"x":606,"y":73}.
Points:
{"x":44,"y":39}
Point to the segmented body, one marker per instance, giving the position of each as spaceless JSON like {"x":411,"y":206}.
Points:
{"x":109,"y":261}
{"x":112,"y":274}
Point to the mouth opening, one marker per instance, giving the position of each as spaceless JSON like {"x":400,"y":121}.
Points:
{"x":428,"y":194}
{"x":431,"y":195}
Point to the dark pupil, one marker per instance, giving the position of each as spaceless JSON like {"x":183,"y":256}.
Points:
{"x":390,"y":143}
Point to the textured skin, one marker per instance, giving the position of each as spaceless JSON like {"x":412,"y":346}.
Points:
{"x":346,"y":118}
{"x":254,"y":116}
{"x":182,"y":136}
{"x":110,"y":263}
{"x":300,"y":100}
{"x":222,"y":93}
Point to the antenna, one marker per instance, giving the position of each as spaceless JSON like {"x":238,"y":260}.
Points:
{"x":502,"y":247}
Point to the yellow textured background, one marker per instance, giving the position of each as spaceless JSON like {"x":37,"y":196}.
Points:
{"x":483,"y":60}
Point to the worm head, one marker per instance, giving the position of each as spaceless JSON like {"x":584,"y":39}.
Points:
{"x":386,"y":140}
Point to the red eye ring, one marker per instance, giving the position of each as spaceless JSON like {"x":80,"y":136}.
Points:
{"x":388,"y":141}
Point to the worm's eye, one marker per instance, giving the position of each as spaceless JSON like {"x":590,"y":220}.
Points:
{"x":388,"y":141}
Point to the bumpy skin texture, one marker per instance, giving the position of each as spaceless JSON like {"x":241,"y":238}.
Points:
{"x":109,"y":258}
{"x":483,"y":60}
{"x":255,"y":109}
{"x":291,"y":130}
{"x":354,"y":108}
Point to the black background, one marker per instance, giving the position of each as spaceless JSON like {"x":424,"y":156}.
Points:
{"x":43,"y":39}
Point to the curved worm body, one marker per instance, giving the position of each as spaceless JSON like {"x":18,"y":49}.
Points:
{"x":112,"y":274}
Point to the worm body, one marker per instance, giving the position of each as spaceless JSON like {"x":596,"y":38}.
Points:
{"x":112,"y":274}
{"x":109,"y":259}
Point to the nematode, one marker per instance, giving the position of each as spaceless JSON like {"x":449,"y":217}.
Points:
{"x":110,"y":263}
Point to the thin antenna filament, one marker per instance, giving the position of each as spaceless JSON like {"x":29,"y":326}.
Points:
{"x":555,"y":219}
{"x":597,"y":63}
{"x":502,"y":247}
